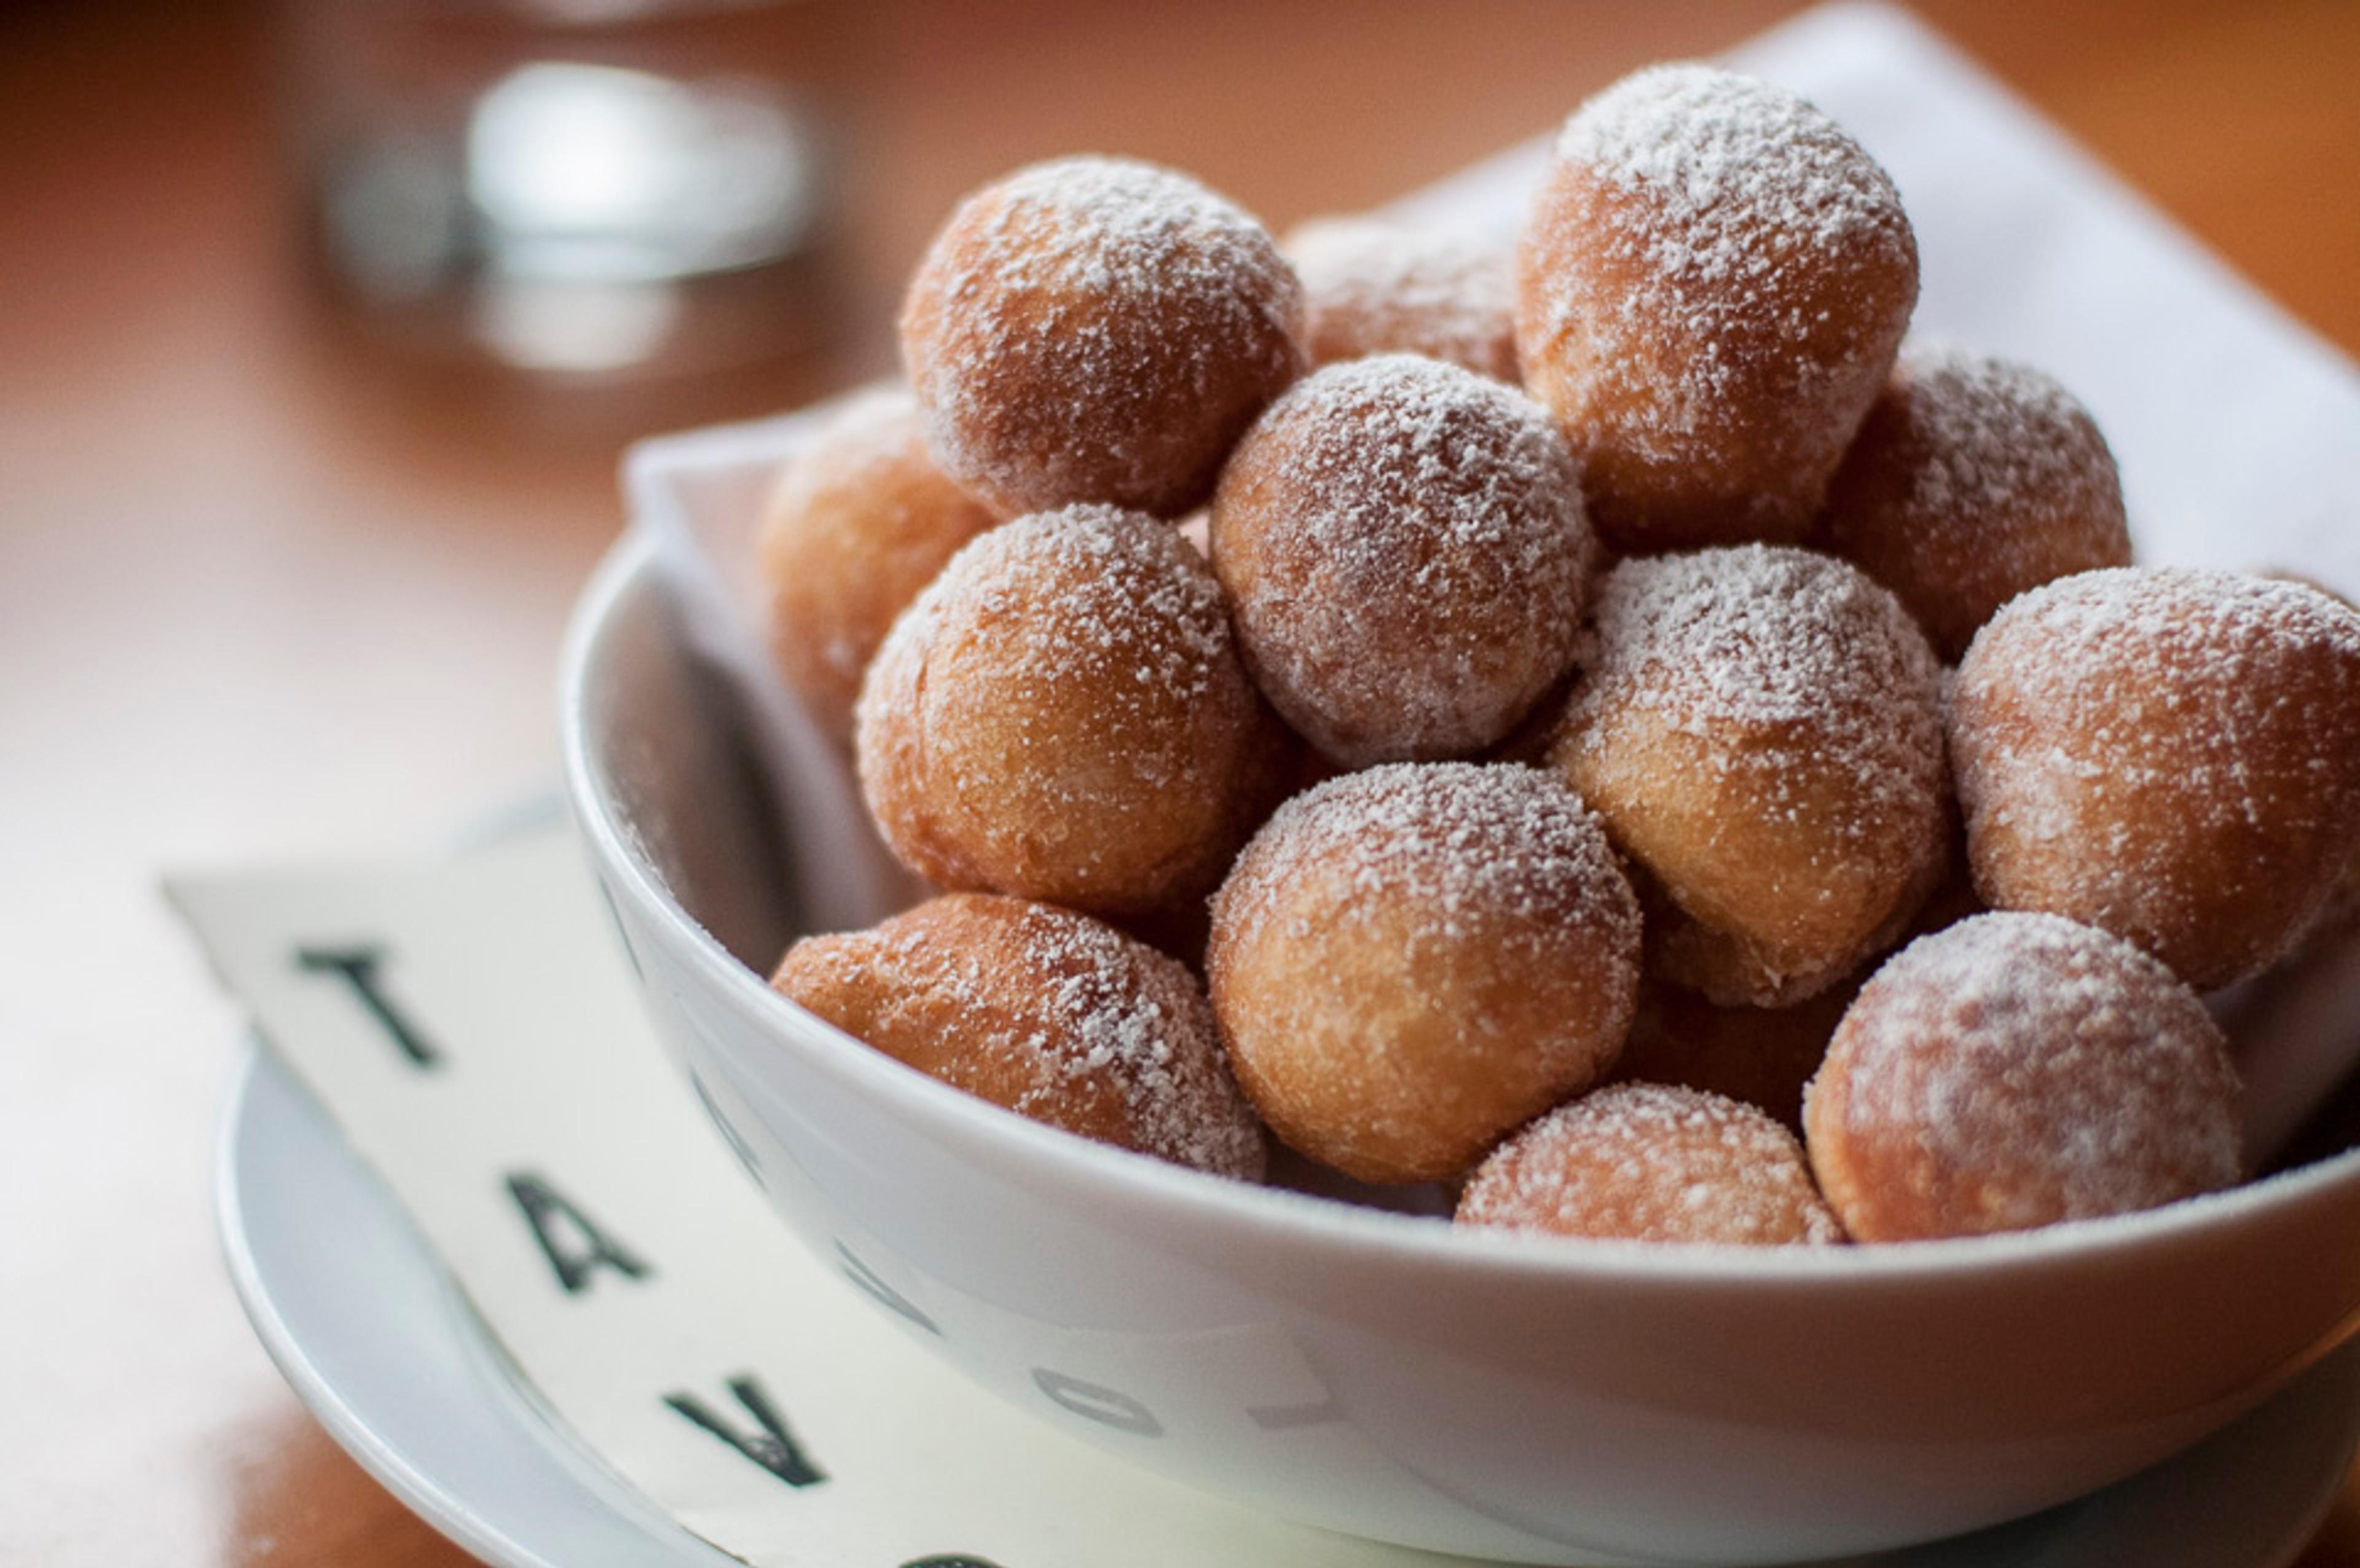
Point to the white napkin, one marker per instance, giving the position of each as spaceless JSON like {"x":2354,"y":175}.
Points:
{"x":2236,"y":428}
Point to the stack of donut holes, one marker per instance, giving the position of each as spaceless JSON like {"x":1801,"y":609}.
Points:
{"x":1611,"y":729}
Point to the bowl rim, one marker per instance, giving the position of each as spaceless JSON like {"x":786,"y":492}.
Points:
{"x":1043,"y":1155}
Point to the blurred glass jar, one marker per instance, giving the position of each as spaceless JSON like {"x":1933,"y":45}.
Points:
{"x":588,"y":188}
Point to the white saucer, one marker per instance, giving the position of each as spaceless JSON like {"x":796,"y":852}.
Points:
{"x":377,"y":1341}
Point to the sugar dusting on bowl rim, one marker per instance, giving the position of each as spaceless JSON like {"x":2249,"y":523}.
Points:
{"x":1049,"y":1155}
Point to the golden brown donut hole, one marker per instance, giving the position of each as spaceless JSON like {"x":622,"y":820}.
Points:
{"x":859,"y":521}
{"x":1408,"y":962}
{"x":1094,"y":328}
{"x":1062,"y":715}
{"x":1760,"y":734}
{"x":2013,"y":1070}
{"x":1653,"y":1162}
{"x":2168,"y":754}
{"x":1405,"y":551}
{"x":1043,"y":1012}
{"x":1974,"y":479}
{"x":1711,"y":288}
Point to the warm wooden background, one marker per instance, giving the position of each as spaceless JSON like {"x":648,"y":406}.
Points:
{"x":263,"y":596}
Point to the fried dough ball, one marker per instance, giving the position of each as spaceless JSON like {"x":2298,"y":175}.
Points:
{"x":1405,"y":555}
{"x":1759,"y":1056}
{"x":1409,"y":961}
{"x":1372,"y":287}
{"x":1760,"y":734}
{"x":858,"y":523}
{"x":1062,"y":715}
{"x":2014,"y":1071}
{"x":2167,"y":754}
{"x":1094,"y":328}
{"x":1044,"y":1012}
{"x":1711,"y":288}
{"x":1653,"y":1162}
{"x":1974,"y":479}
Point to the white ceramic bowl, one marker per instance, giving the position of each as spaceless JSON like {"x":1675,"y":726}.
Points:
{"x":1385,"y":1374}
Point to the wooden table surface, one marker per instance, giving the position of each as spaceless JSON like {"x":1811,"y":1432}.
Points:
{"x":265,"y":596}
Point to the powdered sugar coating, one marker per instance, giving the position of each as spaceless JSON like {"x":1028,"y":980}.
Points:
{"x":1045,"y":1012}
{"x":1734,"y":160}
{"x":859,"y":521}
{"x":1405,"y":552}
{"x":2016,"y":1070}
{"x":1410,"y":960}
{"x":1096,"y":328}
{"x":2169,"y":754}
{"x":1460,"y":840}
{"x":1763,"y":635}
{"x":1974,"y":479}
{"x":1653,"y":1162}
{"x":1760,"y":731}
{"x":1062,"y":715}
{"x":1371,"y":287}
{"x":1712,"y":287}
